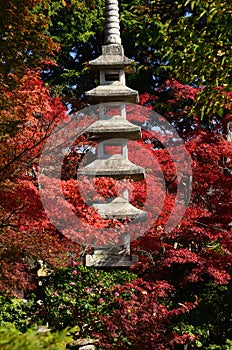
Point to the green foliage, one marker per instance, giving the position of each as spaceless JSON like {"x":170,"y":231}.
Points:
{"x":23,"y":39}
{"x":205,"y":46}
{"x":211,"y":320}
{"x":78,"y":27}
{"x":196,"y":42}
{"x":191,"y":38}
{"x":75,"y":20}
{"x":188,"y":40}
{"x":12,"y":339}
{"x":20,"y":313}
{"x":80,"y":296}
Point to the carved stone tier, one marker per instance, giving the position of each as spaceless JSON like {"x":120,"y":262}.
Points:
{"x":107,"y":258}
{"x":114,"y":127}
{"x":119,"y":208}
{"x":112,"y":57}
{"x":114,"y":91}
{"x":115,"y":166}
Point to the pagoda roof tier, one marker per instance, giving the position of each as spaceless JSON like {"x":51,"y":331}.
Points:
{"x":114,"y":127}
{"x":112,"y":57}
{"x":120,"y":208}
{"x":115,"y":166}
{"x":113,"y":92}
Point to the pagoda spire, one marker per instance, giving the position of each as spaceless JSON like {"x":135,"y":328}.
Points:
{"x":112,"y":27}
{"x":112,"y":64}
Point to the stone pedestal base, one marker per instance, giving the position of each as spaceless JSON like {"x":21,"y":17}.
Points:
{"x":83,"y":344}
{"x":105,"y":258}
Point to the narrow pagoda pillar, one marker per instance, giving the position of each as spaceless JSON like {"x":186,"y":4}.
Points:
{"x":112,"y":27}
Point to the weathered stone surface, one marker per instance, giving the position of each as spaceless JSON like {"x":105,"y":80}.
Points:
{"x":43,"y":329}
{"x":114,"y":127}
{"x":113,"y":59}
{"x":110,"y":260}
{"x":112,"y":66}
{"x":83,"y":344}
{"x":120,"y":208}
{"x":112,"y":28}
{"x":115,"y":166}
{"x":43,"y":271}
{"x":112,"y":92}
{"x":115,"y":50}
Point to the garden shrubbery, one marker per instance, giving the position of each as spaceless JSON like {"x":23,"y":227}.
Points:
{"x":119,"y":308}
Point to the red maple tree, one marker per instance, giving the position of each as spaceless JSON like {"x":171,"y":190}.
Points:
{"x":28,"y":117}
{"x":196,"y":250}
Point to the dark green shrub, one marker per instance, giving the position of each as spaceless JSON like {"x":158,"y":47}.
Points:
{"x":211,"y":321}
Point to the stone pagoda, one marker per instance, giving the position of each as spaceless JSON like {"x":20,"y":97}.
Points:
{"x":113,"y":129}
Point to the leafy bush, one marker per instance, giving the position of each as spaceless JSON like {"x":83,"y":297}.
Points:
{"x":19,"y":312}
{"x":122,"y":310}
{"x":12,"y":339}
{"x":211,"y":320}
{"x":80,"y":296}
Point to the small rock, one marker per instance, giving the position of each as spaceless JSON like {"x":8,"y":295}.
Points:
{"x":87,"y":347}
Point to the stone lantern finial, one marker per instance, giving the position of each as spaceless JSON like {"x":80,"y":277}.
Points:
{"x":112,"y":28}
